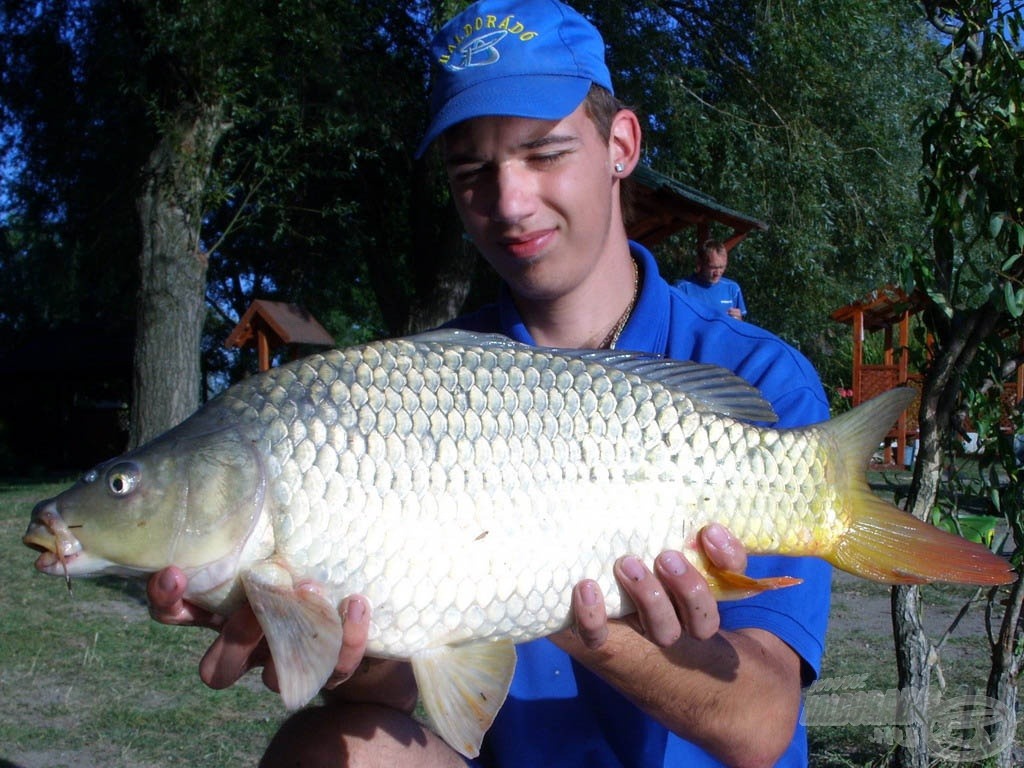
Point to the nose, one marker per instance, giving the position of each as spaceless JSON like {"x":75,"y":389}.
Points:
{"x":513,"y":194}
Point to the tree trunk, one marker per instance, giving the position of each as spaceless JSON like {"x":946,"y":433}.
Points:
{"x":454,"y":261}
{"x":172,"y":274}
{"x":1002,"y":680}
{"x":913,"y":665}
{"x":914,"y":651}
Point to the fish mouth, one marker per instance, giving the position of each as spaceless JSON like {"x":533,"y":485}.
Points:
{"x":50,"y":535}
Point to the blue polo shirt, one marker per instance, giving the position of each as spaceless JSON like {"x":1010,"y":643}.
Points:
{"x":559,"y":714}
{"x":723,"y":295}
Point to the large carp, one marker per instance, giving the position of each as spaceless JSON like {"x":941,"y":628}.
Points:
{"x":463,"y":484}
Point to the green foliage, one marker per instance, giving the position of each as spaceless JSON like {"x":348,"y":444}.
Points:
{"x":972,"y":190}
{"x":970,"y":270}
{"x":782,"y":116}
{"x":993,"y":413}
{"x":974,"y":150}
{"x":978,"y":528}
{"x":314,"y":197}
{"x":67,"y":216}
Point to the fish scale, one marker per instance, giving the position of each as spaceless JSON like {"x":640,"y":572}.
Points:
{"x":452,"y":384}
{"x":463,"y":483}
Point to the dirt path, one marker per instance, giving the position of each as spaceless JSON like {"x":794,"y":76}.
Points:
{"x":859,"y":669}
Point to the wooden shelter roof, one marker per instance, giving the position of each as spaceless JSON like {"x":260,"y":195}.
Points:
{"x":282,"y":322}
{"x":882,"y":308}
{"x":659,"y":206}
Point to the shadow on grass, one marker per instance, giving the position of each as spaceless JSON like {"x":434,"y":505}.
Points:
{"x":133,"y":590}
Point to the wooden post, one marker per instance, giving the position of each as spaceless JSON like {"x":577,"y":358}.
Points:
{"x":263,"y":350}
{"x":858,"y":355}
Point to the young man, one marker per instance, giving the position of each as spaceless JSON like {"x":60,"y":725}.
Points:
{"x":536,"y":147}
{"x":709,"y":284}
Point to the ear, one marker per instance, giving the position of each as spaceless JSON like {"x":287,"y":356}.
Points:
{"x":624,"y":142}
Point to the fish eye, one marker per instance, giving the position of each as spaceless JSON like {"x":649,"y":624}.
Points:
{"x":122,"y":479}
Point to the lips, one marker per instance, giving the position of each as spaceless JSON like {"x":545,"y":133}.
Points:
{"x":527,"y":246}
{"x":49,"y":534}
{"x":49,"y":563}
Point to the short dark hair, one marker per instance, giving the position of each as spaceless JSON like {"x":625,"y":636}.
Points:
{"x":708,"y":247}
{"x":602,"y":106}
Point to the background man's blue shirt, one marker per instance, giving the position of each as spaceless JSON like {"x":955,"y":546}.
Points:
{"x":560,"y":714}
{"x":722,"y":295}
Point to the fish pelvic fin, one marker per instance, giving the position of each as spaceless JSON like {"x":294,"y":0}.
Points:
{"x":302,"y":628}
{"x":730,"y":585}
{"x":462,"y":688}
{"x":886,"y":544}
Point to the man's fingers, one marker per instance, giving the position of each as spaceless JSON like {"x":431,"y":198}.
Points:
{"x":355,"y":625}
{"x":239,"y":647}
{"x":269,"y":675}
{"x":591,"y":625}
{"x":165,"y":590}
{"x":654,"y":606}
{"x":723,"y":549}
{"x":696,"y":608}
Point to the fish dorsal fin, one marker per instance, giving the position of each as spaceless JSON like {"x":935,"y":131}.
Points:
{"x":711,"y":388}
{"x":302,"y":628}
{"x":462,"y":688}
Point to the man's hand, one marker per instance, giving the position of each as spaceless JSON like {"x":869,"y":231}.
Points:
{"x":166,"y":590}
{"x":673,"y":600}
{"x":241,"y":646}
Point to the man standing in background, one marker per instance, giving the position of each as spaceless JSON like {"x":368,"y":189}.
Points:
{"x":708,"y":283}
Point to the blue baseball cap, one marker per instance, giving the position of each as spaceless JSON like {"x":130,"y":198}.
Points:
{"x":516,"y":58}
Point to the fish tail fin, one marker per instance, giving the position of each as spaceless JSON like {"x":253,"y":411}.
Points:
{"x":884,"y":543}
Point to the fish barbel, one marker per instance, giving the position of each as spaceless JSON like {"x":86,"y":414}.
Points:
{"x":464,"y":483}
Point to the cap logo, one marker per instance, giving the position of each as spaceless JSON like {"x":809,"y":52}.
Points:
{"x":476,"y":44}
{"x":477,"y":51}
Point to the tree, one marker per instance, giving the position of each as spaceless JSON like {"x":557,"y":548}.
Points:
{"x":785,"y":117}
{"x":172,"y":264}
{"x":304,"y":187}
{"x":71,"y":145}
{"x":972,"y":271}
{"x":314,"y":195}
{"x":268,"y":165}
{"x":198,"y":60}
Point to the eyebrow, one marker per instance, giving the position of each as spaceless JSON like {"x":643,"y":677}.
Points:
{"x":554,"y":139}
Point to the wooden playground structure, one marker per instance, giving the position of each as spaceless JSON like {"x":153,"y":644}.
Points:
{"x":889,"y":309}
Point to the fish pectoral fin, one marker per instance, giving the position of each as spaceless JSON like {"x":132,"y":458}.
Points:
{"x":730,"y":585}
{"x":462,"y":688}
{"x":302,"y":629}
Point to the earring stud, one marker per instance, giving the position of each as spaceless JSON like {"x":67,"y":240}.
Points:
{"x":619,"y":167}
